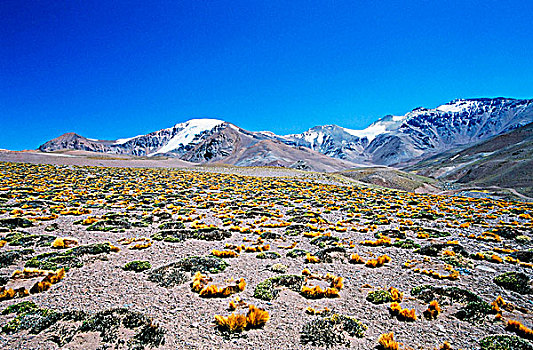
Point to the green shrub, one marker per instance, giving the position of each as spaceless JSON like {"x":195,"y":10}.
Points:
{"x":514,"y":281}
{"x":137,"y":266}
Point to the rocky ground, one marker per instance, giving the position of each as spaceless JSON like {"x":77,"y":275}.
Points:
{"x":289,"y":232}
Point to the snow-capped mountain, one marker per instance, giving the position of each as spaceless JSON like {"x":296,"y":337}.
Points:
{"x":206,"y":141}
{"x":173,"y":141}
{"x":419,"y":133}
{"x":392,"y":140}
{"x":424,"y":132}
{"x":342,"y":143}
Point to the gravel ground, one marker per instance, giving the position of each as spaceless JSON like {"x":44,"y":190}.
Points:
{"x":188,"y":319}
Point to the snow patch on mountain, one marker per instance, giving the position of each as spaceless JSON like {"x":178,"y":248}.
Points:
{"x":379,"y":127}
{"x":123,"y":141}
{"x":186,"y":132}
{"x":458,"y":106}
{"x":314,"y":138}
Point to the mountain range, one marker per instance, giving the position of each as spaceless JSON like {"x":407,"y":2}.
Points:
{"x":392,"y":140}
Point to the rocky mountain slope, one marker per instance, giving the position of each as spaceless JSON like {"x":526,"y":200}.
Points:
{"x":504,"y":161}
{"x":174,"y":141}
{"x":206,"y":141}
{"x":392,"y":140}
{"x":397,"y":140}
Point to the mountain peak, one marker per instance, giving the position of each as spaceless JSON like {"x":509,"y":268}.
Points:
{"x":203,"y":123}
{"x":458,"y":106}
{"x":185,"y":133}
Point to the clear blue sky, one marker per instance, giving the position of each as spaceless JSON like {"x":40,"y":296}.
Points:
{"x":113,"y":68}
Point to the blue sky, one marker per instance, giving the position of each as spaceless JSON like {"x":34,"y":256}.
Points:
{"x":111,"y":69}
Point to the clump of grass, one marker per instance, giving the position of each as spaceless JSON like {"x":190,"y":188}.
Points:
{"x":384,"y":241}
{"x":200,"y":284}
{"x":235,"y":323}
{"x":224,"y":253}
{"x":402,"y":314}
{"x":48,"y":280}
{"x":64,"y":242}
{"x":432,"y":311}
{"x":141,"y":245}
{"x":316,"y":292}
{"x":386,"y":342}
{"x":10,"y":293}
{"x":519,"y":329}
{"x":356,"y":259}
{"x":311,"y":258}
{"x":380,"y":261}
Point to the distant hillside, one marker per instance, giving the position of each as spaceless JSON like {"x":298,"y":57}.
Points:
{"x":504,"y":161}
{"x":392,"y":178}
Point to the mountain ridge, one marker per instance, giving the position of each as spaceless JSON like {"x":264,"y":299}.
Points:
{"x":391,"y":140}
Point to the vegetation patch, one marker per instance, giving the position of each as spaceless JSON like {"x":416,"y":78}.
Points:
{"x":172,"y":225}
{"x":379,"y":296}
{"x":64,"y":326}
{"x":523,"y":255}
{"x":18,"y":238}
{"x":406,"y":244}
{"x":171,"y":235}
{"x":474,"y":310}
{"x":504,"y":342}
{"x":328,"y":255}
{"x":137,"y":266}
{"x":8,"y":257}
{"x":514,"y":281}
{"x":268,"y":255}
{"x":296,"y":253}
{"x":279,"y":268}
{"x":333,"y":330}
{"x":179,"y":235}
{"x":323,"y":241}
{"x":15,"y":222}
{"x":69,"y":258}
{"x":269,"y":288}
{"x":392,"y":233}
{"x":175,"y":273}
{"x":436,"y":248}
